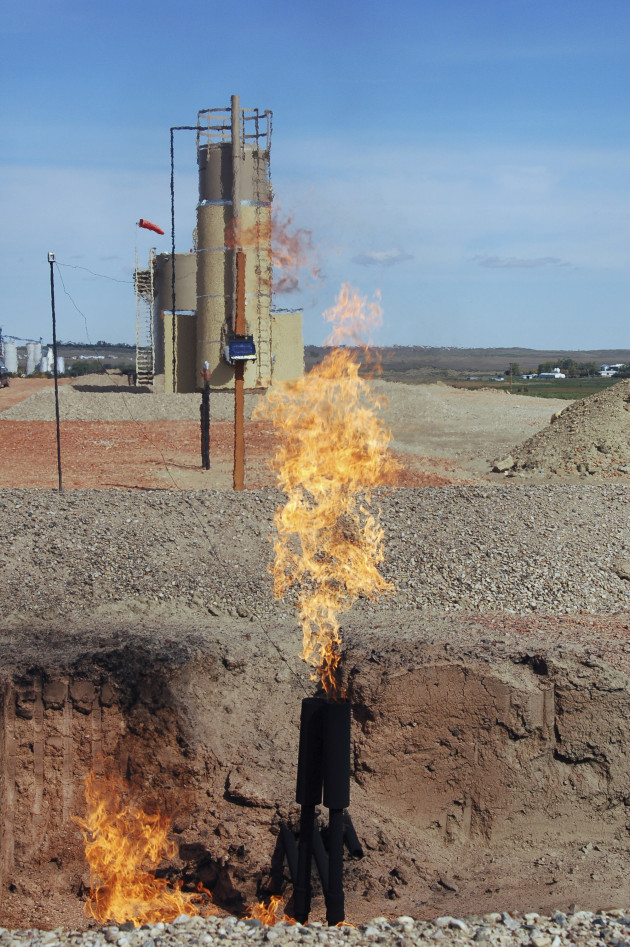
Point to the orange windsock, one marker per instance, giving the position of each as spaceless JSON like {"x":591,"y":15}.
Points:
{"x":149,"y":226}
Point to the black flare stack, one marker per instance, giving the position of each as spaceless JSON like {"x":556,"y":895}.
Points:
{"x":323,"y":771}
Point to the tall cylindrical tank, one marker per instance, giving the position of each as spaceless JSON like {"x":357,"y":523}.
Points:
{"x":217,"y":238}
{"x":61,"y":365}
{"x":33,"y":357}
{"x":10,"y":357}
{"x":175,"y":338}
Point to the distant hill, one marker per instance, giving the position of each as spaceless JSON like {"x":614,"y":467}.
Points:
{"x":445,"y":360}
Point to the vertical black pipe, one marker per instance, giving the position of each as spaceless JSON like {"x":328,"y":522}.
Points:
{"x":336,"y":754}
{"x":335,"y":906}
{"x":350,"y":837}
{"x":173,"y":327}
{"x":321,"y":857}
{"x":205,"y":426}
{"x":308,"y":794}
{"x":51,"y":260}
{"x":302,"y":887}
{"x":290,"y":850}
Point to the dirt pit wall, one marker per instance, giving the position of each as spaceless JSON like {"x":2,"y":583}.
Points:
{"x":483,"y":779}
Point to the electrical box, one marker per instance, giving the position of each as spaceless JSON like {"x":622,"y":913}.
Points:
{"x":240,"y":349}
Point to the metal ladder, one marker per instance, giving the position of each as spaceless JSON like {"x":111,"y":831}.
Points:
{"x":145,"y":350}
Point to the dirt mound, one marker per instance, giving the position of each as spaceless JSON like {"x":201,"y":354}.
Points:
{"x":589,"y":437}
{"x":485,"y":775}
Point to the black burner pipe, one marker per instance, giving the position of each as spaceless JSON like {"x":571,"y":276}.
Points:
{"x":351,"y":838}
{"x":308,"y":794}
{"x":321,"y":857}
{"x":290,"y":849}
{"x":336,"y":798}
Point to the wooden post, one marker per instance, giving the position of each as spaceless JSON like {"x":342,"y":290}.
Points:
{"x":239,"y":378}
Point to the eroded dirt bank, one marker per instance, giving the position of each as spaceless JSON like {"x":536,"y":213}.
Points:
{"x":490,"y":767}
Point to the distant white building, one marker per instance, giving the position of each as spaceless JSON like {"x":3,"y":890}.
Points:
{"x":556,"y":373}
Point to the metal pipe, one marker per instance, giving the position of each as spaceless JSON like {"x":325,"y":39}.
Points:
{"x":308,"y":794}
{"x":321,"y":857}
{"x":289,"y":844}
{"x":308,"y":790}
{"x":335,"y":908}
{"x":336,"y":797}
{"x":51,"y":260}
{"x":302,"y":887}
{"x":205,"y":418}
{"x":236,"y":192}
{"x":350,"y":836}
{"x":239,"y":379}
{"x":336,"y":756}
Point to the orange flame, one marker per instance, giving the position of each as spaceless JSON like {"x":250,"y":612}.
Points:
{"x":267,"y":914}
{"x":291,"y":248}
{"x":333,"y":452}
{"x":123,"y":847}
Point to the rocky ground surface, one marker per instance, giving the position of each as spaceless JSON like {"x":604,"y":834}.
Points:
{"x":503,"y":930}
{"x":519,"y":548}
{"x":527,"y":580}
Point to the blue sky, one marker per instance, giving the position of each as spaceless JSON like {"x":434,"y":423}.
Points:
{"x":469,"y":159}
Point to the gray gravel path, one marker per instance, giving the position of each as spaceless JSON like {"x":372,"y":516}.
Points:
{"x":504,"y":930}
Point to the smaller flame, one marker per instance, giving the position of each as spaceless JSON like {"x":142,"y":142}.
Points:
{"x":123,"y":847}
{"x":267,"y":914}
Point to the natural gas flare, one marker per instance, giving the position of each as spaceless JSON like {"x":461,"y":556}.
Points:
{"x":333,"y":452}
{"x":123,"y":847}
{"x":292,"y":251}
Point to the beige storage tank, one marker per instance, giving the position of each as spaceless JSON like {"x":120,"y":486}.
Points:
{"x":183,"y":340}
{"x":218,"y":234}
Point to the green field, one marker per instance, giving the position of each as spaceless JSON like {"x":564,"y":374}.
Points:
{"x":567,"y":388}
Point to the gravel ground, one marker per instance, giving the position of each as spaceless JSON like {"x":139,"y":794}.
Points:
{"x":513,"y":547}
{"x":507,"y":930}
{"x":96,"y":400}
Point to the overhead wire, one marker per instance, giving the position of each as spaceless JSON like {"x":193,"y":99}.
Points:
{"x":114,"y":279}
{"x":82,"y":314}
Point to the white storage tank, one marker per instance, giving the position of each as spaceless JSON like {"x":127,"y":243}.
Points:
{"x":10,"y":357}
{"x":33,"y":357}
{"x":61,"y":365}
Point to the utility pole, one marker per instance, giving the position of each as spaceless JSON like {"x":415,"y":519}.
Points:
{"x":238,"y":299}
{"x":239,"y":378}
{"x":51,"y":260}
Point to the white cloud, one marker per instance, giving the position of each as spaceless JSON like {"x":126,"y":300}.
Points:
{"x":382,"y":257}
{"x":511,"y":262}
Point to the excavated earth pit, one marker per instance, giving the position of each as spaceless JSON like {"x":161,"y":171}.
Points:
{"x":489,"y":770}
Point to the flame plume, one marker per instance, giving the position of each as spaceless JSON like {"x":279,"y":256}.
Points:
{"x":333,"y":452}
{"x":292,"y":251}
{"x":123,"y":847}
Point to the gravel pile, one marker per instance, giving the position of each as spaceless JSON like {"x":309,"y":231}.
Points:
{"x":88,"y":402}
{"x":589,"y":437}
{"x":502,"y":930}
{"x":512,"y":547}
